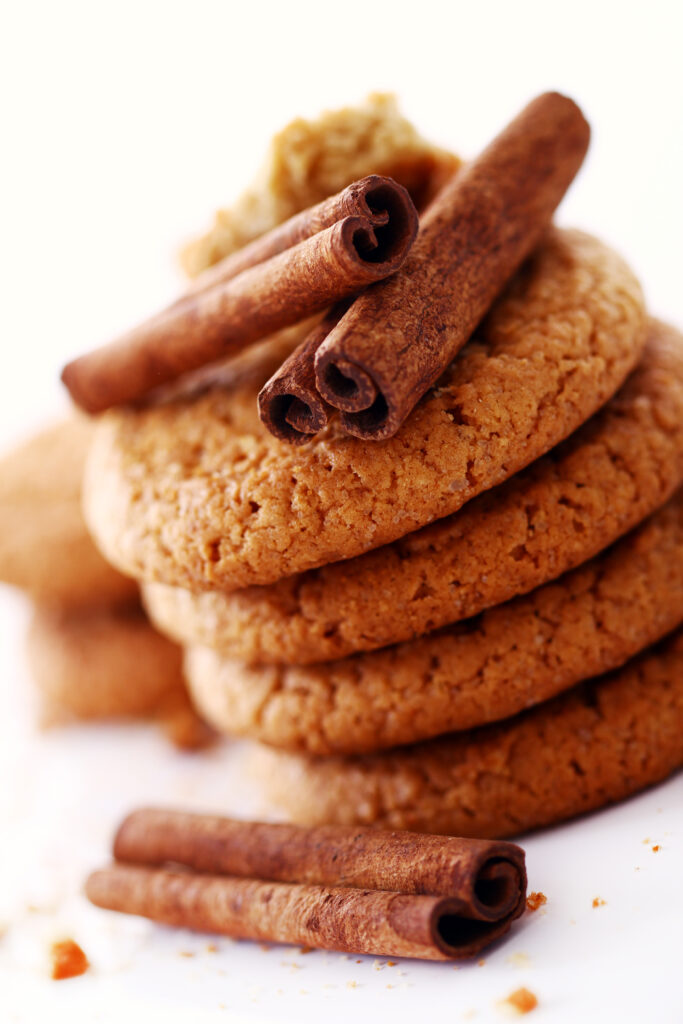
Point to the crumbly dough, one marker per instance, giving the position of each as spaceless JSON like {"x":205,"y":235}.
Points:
{"x":198,"y":494}
{"x":563,"y":509}
{"x":311,"y":160}
{"x":591,"y":620}
{"x":101,"y":663}
{"x":45,"y":547}
{"x":596,"y":744}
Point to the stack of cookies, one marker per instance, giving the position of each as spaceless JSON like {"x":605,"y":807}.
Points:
{"x":468,"y":628}
{"x":92,"y":652}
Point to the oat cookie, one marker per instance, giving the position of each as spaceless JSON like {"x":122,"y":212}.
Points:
{"x":45,"y":547}
{"x":311,"y":160}
{"x":559,"y":512}
{"x":198,"y":494}
{"x":590,"y":621}
{"x":101,"y":664}
{"x":596,"y":744}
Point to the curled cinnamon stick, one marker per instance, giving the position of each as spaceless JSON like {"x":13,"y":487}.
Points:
{"x":344,"y":919}
{"x":289,"y":403}
{"x":319,"y":257}
{"x":485,"y":879}
{"x":400,"y":335}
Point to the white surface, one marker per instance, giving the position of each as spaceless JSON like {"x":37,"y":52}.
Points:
{"x":123,"y":127}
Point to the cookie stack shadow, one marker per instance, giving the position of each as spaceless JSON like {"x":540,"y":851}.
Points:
{"x":471,"y":628}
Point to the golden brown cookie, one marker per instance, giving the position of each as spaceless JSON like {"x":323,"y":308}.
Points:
{"x":45,"y":547}
{"x":102,"y":664}
{"x":199,"y":494}
{"x":590,"y":621}
{"x":311,"y":160}
{"x":596,"y":744}
{"x":559,"y":512}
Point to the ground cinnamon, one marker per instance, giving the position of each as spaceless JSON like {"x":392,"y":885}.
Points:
{"x":399,"y":336}
{"x":320,"y":256}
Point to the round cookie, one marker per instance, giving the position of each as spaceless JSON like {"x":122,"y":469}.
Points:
{"x":101,"y":664}
{"x":511,"y":657}
{"x":559,"y":512}
{"x":45,"y":547}
{"x":198,"y":494}
{"x":599,"y":743}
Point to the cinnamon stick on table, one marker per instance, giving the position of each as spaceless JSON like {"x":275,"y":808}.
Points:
{"x":313,"y":260}
{"x":400,"y":335}
{"x":361,"y":890}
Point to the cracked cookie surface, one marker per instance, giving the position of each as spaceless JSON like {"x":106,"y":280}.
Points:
{"x":591,"y":620}
{"x":559,"y":512}
{"x":196,"y":492}
{"x":592,"y":746}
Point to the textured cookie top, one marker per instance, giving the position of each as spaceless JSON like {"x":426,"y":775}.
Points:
{"x":598,"y":743}
{"x":518,"y":654}
{"x":560,"y":511}
{"x":197,"y":493}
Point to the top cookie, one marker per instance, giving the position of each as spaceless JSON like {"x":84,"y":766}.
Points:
{"x":197,"y":493}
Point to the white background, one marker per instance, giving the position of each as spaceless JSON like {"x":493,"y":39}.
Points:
{"x":123,"y":127}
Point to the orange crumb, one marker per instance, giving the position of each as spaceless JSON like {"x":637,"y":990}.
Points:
{"x":391,"y":963}
{"x":212,"y":948}
{"x":68,"y":960}
{"x":656,"y":849}
{"x":522,"y":1000}
{"x":481,"y":963}
{"x":359,"y":961}
{"x":535,"y":900}
{"x":265,"y":948}
{"x":186,"y":953}
{"x":597,"y":902}
{"x":306,"y":949}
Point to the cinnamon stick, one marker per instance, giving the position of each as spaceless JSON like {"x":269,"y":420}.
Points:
{"x":344,"y":919}
{"x":485,"y":880}
{"x":289,"y":404}
{"x":400,"y":335}
{"x":318,"y":257}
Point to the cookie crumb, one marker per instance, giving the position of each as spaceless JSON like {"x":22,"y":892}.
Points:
{"x":212,"y":948}
{"x":535,"y":900}
{"x":519,"y":959}
{"x":656,"y":849}
{"x":521,"y":1001}
{"x":186,"y":953}
{"x":598,"y":902}
{"x":68,"y":960}
{"x":352,"y":984}
{"x":306,"y":949}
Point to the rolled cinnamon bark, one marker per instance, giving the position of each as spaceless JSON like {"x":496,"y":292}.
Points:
{"x":344,"y":919}
{"x":400,"y":335}
{"x":485,"y":879}
{"x":319,"y":257}
{"x":289,"y":404}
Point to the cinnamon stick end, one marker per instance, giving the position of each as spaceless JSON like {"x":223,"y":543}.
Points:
{"x":290,"y":413}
